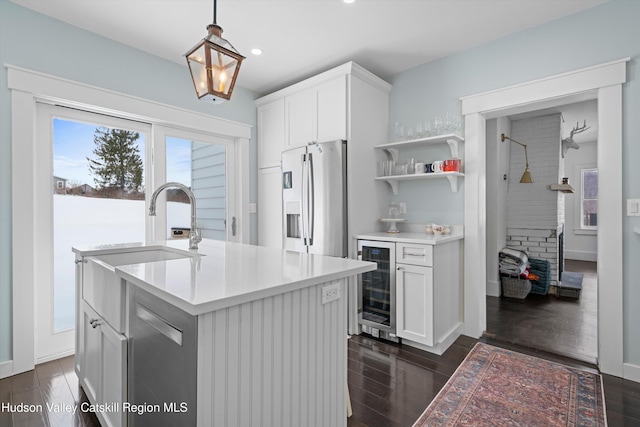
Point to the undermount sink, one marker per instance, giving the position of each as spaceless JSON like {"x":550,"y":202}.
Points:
{"x":104,"y":291}
{"x":143,"y":255}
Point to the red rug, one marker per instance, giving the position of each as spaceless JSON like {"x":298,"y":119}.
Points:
{"x":498,"y":387}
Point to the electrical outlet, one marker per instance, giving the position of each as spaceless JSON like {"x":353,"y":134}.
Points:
{"x":633,"y":207}
{"x":330,"y":293}
{"x":252,"y":208}
{"x":403,"y":207}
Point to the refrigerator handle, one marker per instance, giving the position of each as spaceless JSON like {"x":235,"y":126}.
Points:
{"x":304,"y":200}
{"x":311,"y":208}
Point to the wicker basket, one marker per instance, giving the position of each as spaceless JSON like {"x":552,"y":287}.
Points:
{"x":513,"y":287}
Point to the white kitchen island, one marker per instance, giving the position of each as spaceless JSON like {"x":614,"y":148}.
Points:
{"x":268,"y":333}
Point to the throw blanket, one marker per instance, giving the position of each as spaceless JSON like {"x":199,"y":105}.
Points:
{"x":513,"y":262}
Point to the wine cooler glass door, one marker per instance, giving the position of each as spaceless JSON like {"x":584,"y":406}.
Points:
{"x":377,"y":288}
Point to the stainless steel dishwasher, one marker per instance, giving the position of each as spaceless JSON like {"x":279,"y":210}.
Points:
{"x":162,"y":362}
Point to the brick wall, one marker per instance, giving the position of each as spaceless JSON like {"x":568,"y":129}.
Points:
{"x":538,"y":244}
{"x":535,"y":214}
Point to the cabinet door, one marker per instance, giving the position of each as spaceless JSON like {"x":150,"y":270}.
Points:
{"x":113,"y":368}
{"x":301,"y":123}
{"x":271,"y":133}
{"x":414,"y":287}
{"x":103,"y":375}
{"x":332,"y":110}
{"x":91,"y":353}
{"x":270,"y":207}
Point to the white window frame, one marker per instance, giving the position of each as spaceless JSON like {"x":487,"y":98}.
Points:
{"x":582,"y":199}
{"x":28,"y":87}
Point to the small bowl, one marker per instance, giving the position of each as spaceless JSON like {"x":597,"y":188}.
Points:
{"x":446,"y":229}
{"x":429,"y":229}
{"x":438,"y":229}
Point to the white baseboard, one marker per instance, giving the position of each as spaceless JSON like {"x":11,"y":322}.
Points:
{"x":581,"y":255}
{"x":631,"y":372}
{"x":444,"y":343}
{"x":493,"y":288}
{"x":55,"y":356}
{"x":6,"y":369}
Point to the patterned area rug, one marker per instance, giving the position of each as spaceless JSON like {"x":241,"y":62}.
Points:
{"x":498,"y":387}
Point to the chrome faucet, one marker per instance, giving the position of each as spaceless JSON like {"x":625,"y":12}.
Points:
{"x":194,"y":234}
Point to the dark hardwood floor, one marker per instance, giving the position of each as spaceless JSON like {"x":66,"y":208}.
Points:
{"x":392,"y":384}
{"x":561,"y":325}
{"x":53,"y":382}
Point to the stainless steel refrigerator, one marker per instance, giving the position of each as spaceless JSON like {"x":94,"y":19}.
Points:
{"x":314,"y":197}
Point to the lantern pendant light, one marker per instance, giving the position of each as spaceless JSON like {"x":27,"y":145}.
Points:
{"x":214,"y":65}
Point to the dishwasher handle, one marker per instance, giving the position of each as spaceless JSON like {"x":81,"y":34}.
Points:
{"x":159,"y":324}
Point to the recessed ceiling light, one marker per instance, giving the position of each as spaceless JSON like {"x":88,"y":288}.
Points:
{"x":349,"y":1}
{"x":256,"y":51}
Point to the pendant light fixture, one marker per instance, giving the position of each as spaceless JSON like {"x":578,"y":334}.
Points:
{"x":214,"y":64}
{"x":526,"y":176}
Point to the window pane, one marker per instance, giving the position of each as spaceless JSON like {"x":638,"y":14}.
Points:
{"x":178,"y":170}
{"x":590,"y":184}
{"x":98,"y":198}
{"x":202,"y":167}
{"x":590,"y":213}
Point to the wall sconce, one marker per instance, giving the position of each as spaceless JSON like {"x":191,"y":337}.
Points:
{"x":526,"y":176}
{"x":214,"y":64}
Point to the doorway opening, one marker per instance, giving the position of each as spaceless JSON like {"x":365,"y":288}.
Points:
{"x":555,"y":230}
{"x":602,"y":82}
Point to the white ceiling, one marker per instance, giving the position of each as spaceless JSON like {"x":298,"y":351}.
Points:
{"x":300,"y":38}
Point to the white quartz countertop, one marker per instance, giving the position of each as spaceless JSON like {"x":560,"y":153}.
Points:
{"x":420,"y":238}
{"x":223,"y":274}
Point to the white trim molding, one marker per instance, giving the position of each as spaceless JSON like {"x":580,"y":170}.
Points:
{"x":6,"y":369}
{"x":604,"y":83}
{"x":28,"y":87}
{"x":632,"y":372}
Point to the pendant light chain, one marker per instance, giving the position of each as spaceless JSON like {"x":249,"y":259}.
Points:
{"x":215,"y":21}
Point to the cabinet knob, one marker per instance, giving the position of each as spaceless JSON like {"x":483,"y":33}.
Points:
{"x":399,"y":268}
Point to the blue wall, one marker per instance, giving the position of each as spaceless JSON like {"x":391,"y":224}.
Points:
{"x":37,"y":42}
{"x":605,"y":33}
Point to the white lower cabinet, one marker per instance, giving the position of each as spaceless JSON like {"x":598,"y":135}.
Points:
{"x":428,"y":291}
{"x":104,"y":366}
{"x":414,"y":297}
{"x":101,"y":350}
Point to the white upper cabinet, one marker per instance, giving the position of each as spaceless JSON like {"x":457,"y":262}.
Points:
{"x":317,"y":114}
{"x":271,"y":133}
{"x":301,"y":113}
{"x":346,"y":102}
{"x":332,"y":110}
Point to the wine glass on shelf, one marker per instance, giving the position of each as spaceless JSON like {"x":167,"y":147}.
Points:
{"x":448,"y":123}
{"x":428,"y":129}
{"x":410,"y":134}
{"x":438,"y":125}
{"x":399,"y":131}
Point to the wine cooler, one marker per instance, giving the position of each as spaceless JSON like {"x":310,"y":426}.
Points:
{"x":377,"y":290}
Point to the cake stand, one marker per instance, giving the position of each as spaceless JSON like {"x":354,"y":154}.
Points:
{"x":392,"y":224}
